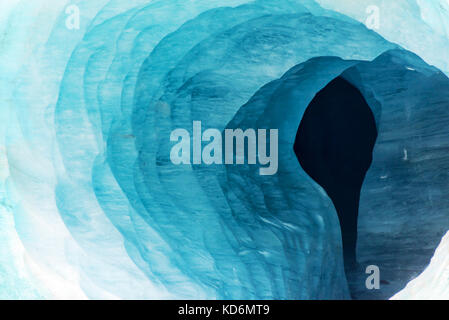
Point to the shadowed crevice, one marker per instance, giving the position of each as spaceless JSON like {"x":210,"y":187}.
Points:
{"x":334,"y":146}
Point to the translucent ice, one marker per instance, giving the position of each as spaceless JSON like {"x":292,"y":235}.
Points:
{"x":92,"y":207}
{"x":420,"y":26}
{"x":433,"y":283}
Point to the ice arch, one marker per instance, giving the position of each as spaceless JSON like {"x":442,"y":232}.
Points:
{"x":262,"y":250}
{"x":402,"y":214}
{"x":100,"y":211}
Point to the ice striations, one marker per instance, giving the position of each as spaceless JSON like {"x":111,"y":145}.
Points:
{"x":433,"y":283}
{"x":92,"y":207}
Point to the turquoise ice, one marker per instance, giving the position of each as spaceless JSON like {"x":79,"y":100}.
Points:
{"x":90,"y":204}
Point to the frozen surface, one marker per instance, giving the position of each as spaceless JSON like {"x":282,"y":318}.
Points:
{"x":91,"y":206}
{"x":403,"y":202}
{"x":421,"y":26}
{"x":433,"y":283}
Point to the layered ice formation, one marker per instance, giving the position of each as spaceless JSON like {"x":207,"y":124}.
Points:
{"x":92,"y":207}
{"x":418,"y":25}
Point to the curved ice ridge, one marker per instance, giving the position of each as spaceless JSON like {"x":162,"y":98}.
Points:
{"x":403,"y":200}
{"x":92,"y":206}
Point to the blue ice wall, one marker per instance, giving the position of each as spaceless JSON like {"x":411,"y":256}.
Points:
{"x":162,"y":210}
{"x":403,"y":205}
{"x":93,"y":207}
{"x":403,"y":202}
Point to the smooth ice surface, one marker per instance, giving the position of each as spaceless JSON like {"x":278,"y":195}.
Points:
{"x":421,"y":26}
{"x":433,"y":283}
{"x":92,"y":207}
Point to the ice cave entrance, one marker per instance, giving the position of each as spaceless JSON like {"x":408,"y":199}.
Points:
{"x":334,"y":145}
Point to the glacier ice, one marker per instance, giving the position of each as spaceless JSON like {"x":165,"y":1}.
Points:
{"x":91,"y":206}
{"x":387,"y":237}
{"x":432,"y":284}
{"x":417,"y":25}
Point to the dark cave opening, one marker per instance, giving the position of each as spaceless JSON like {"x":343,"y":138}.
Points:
{"x":334,"y":145}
